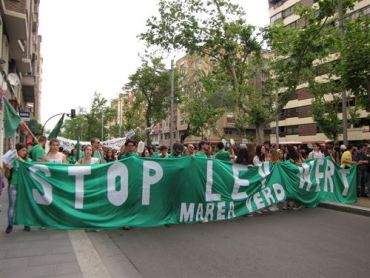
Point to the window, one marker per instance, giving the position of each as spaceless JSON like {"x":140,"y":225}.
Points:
{"x":291,"y":130}
{"x":289,"y":11}
{"x":292,"y":25}
{"x":228,"y":131}
{"x":230,"y":120}
{"x":276,"y":17}
{"x":292,"y":112}
{"x":362,"y":123}
{"x":326,"y":68}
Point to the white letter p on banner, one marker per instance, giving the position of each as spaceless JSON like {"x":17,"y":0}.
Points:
{"x":148,"y":180}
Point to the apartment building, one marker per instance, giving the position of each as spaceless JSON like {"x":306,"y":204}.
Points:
{"x":20,"y":63}
{"x":121,"y":104}
{"x":296,"y":123}
{"x":189,"y":67}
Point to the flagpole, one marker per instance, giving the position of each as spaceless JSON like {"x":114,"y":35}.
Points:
{"x":29,"y":130}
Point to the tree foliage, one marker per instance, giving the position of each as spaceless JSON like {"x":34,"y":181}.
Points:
{"x":316,"y":54}
{"x":150,"y":85}
{"x":88,"y":125}
{"x":215,"y":30}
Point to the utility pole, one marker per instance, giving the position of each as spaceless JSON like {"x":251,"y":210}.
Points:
{"x":344,"y":93}
{"x":102,"y":126}
{"x":171,"y":104}
{"x":277,"y":119}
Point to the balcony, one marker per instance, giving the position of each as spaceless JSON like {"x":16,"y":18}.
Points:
{"x":24,"y":65}
{"x":15,"y":19}
{"x":28,"y":86}
{"x":17,"y":49}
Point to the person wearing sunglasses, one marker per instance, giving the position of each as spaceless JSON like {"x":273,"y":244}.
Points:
{"x":97,"y":149}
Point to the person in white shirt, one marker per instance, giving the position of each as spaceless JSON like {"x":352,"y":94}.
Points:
{"x":88,"y":159}
{"x":54,"y":155}
{"x":316,"y":152}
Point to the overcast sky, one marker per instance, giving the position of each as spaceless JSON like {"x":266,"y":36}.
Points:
{"x":91,"y":45}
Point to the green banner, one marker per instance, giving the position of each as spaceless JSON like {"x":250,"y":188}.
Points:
{"x":151,"y":192}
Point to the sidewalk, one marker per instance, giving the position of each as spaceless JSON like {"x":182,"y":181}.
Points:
{"x":59,"y":254}
{"x":38,"y":253}
{"x":362,"y":206}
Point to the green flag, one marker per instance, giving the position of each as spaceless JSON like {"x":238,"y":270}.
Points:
{"x":12,"y":119}
{"x":55,"y":132}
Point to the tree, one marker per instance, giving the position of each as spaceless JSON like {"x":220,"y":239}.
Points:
{"x":316,"y":54}
{"x":355,"y":70}
{"x":215,"y":30}
{"x":88,"y":125}
{"x":150,"y":85}
{"x":205,"y":96}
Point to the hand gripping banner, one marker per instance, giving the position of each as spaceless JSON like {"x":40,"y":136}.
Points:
{"x":152,"y":192}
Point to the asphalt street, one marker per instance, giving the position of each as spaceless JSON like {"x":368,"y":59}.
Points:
{"x":308,"y":243}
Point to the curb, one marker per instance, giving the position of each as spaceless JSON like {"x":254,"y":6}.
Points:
{"x":346,"y":208}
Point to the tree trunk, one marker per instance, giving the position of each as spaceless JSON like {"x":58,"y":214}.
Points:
{"x":260,"y":134}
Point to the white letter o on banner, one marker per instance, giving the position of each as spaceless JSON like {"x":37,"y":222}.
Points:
{"x":115,"y":197}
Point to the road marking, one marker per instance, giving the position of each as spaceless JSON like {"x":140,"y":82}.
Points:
{"x":88,"y":258}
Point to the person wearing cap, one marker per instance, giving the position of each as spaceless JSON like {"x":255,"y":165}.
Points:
{"x":221,"y":154}
{"x":203,"y":149}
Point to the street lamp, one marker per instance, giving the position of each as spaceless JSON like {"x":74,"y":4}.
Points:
{"x":171,"y":103}
{"x":72,"y":115}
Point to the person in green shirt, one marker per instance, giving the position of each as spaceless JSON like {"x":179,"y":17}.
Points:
{"x":130,"y":148}
{"x":203,"y":149}
{"x":177,"y":150}
{"x":221,"y":154}
{"x":97,"y":149}
{"x":14,"y":181}
{"x":37,"y":153}
{"x":164,"y":151}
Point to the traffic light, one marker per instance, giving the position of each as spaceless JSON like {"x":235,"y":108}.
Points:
{"x":73,"y":113}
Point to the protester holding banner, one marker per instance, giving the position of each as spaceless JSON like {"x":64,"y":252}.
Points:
{"x":109,"y":157}
{"x":203,"y":149}
{"x":72,"y":157}
{"x":13,"y":177}
{"x":54,"y":155}
{"x":37,"y":153}
{"x":164,"y":151}
{"x":294,"y":157}
{"x":97,"y":149}
{"x":146,"y":152}
{"x":177,"y":150}
{"x":316,"y":152}
{"x":221,"y":154}
{"x":130,"y":148}
{"x":191,"y":149}
{"x":244,"y":157}
{"x":88,"y":158}
{"x":346,"y":159}
{"x":362,"y":162}
{"x":260,"y":155}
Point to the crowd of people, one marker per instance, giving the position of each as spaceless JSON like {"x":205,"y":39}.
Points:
{"x":246,"y":154}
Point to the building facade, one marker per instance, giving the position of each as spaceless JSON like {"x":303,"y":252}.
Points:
{"x":296,"y":123}
{"x":190,"y":67}
{"x":21,"y":61}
